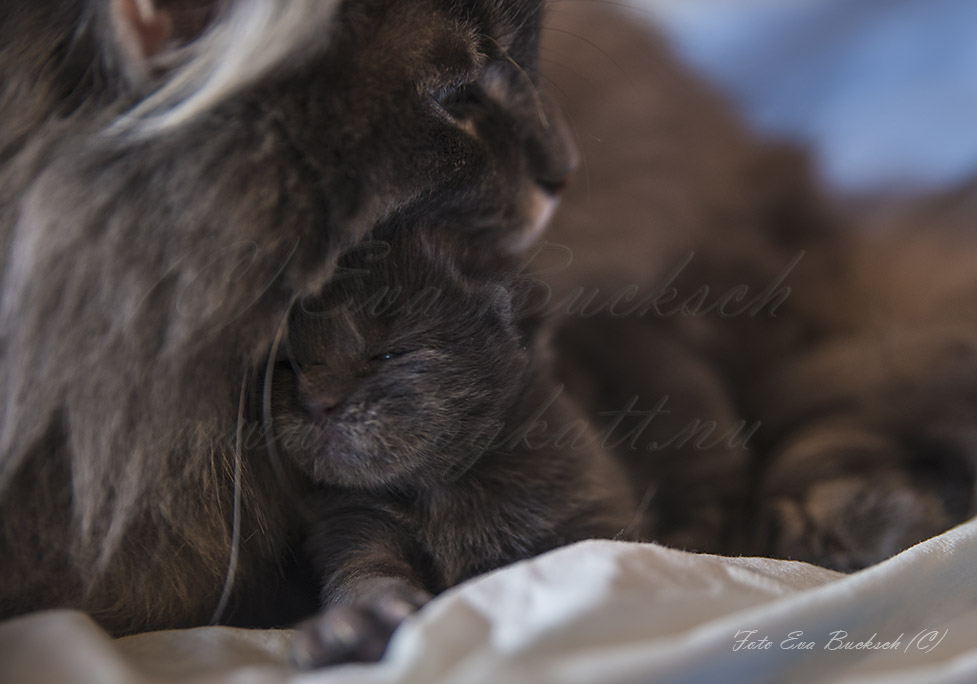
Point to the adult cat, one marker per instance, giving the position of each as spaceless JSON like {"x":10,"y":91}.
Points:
{"x":173,"y":176}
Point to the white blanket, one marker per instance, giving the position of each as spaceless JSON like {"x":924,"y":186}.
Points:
{"x":605,"y":612}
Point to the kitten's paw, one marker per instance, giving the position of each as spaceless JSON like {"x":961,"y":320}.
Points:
{"x":353,"y":632}
{"x":849,"y":523}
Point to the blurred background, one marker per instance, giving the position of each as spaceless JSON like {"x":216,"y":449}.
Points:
{"x":885,"y":91}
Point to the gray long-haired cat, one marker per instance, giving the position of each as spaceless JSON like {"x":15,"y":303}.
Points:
{"x":174,"y":175}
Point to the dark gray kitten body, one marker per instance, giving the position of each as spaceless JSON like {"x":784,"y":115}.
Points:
{"x":413,"y":392}
{"x":170,"y":184}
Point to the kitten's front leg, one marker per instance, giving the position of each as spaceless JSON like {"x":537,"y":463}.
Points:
{"x":369,"y":587}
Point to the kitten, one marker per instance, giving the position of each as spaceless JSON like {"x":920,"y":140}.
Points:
{"x":413,"y":391}
{"x":173,"y":176}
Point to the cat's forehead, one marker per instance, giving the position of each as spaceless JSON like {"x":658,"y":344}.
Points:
{"x":512,"y":13}
{"x":505,"y":23}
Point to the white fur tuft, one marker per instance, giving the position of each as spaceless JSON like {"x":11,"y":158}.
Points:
{"x":253,"y":38}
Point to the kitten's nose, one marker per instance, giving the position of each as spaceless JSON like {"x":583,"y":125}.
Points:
{"x":321,"y":404}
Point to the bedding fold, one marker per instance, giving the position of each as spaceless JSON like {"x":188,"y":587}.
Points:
{"x":613,"y":612}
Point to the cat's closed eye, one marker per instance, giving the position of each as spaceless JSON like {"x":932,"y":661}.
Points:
{"x":454,"y":99}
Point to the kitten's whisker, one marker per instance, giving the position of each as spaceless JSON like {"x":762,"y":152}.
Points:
{"x":232,"y":561}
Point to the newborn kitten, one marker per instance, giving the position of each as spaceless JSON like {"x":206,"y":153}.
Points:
{"x":173,"y":176}
{"x":413,"y":393}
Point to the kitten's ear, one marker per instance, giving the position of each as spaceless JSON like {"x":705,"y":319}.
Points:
{"x":145,"y":32}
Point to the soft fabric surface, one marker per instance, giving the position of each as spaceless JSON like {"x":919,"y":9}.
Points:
{"x":605,"y":612}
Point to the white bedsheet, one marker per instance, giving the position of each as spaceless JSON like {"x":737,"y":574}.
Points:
{"x":598,"y":612}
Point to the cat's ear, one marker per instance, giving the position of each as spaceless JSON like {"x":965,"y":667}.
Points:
{"x":187,"y":56}
{"x":148,"y":32}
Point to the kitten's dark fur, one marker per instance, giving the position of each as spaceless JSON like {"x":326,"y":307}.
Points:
{"x":412,"y":392}
{"x":148,"y":256}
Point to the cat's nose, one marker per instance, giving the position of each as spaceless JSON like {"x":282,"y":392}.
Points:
{"x":320,"y":405}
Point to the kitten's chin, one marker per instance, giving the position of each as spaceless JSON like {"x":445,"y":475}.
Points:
{"x":540,"y":206}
